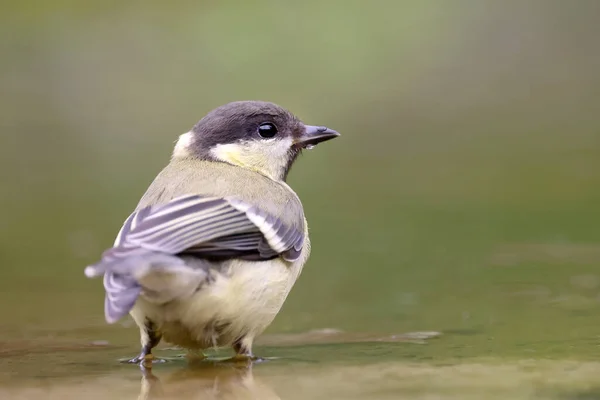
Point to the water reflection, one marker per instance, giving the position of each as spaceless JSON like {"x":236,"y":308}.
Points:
{"x":204,"y":380}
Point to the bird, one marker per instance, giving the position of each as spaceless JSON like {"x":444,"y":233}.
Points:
{"x":217,"y":241}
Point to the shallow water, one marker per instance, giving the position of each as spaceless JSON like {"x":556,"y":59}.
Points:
{"x":462,"y":197}
{"x":337,"y":367}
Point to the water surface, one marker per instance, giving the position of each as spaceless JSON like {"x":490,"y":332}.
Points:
{"x":462,"y":197}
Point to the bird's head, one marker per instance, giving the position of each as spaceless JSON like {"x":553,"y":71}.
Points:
{"x":256,"y":135}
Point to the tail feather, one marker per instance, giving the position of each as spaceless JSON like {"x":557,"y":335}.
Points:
{"x":159,"y":277}
{"x":122,"y":292}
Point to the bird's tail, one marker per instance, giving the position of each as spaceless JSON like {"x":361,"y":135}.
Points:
{"x":158,"y":277}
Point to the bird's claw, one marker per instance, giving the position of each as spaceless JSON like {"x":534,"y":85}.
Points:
{"x":145,"y":360}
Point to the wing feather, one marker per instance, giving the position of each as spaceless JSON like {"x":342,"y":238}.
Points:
{"x":207,"y":227}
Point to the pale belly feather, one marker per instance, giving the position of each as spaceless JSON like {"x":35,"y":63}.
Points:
{"x":239,"y":302}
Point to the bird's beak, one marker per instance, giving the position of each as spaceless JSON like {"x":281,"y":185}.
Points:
{"x":314,"y":135}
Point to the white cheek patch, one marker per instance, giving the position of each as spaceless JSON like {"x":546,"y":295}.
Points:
{"x":268,"y":157}
{"x":182,"y":147}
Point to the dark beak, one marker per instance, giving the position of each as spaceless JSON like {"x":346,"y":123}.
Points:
{"x":314,"y":135}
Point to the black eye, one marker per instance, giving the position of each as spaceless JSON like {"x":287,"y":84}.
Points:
{"x":267,"y":130}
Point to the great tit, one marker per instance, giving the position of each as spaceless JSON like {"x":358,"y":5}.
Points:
{"x":216,"y":243}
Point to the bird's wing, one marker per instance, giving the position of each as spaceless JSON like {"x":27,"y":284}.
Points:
{"x":207,"y":227}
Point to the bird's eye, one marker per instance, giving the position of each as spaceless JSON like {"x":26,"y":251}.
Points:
{"x":267,"y":130}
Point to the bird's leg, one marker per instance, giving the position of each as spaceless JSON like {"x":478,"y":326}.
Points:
{"x":150,"y":337}
{"x":243,"y":350}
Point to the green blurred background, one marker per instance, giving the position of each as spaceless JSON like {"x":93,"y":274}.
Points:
{"x":463,"y":196}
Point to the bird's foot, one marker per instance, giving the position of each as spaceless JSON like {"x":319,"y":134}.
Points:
{"x":244,"y":358}
{"x":144,"y":359}
{"x":243,"y":352}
